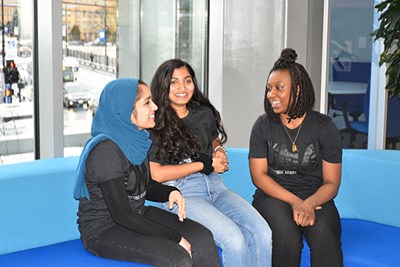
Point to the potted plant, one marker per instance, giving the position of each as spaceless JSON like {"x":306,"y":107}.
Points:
{"x":389,"y":31}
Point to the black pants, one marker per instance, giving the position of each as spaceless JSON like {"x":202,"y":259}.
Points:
{"x":122,"y":244}
{"x":287,"y":237}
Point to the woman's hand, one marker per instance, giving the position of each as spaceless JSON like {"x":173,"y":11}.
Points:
{"x":185,"y":244}
{"x":207,"y":161}
{"x":304,"y":212}
{"x":221,"y":158}
{"x":219,"y":165}
{"x":176,"y":197}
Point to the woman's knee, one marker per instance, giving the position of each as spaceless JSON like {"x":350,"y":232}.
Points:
{"x":203,"y":236}
{"x":287,"y":235}
{"x":263,"y":240}
{"x":327,"y":229}
{"x":231,"y":239}
{"x":260,"y":229}
{"x":324,"y":237}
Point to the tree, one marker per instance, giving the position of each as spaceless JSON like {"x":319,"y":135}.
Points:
{"x":389,"y":31}
{"x":75,"y":33}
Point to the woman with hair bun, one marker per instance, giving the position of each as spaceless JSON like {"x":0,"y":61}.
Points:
{"x":295,"y":160}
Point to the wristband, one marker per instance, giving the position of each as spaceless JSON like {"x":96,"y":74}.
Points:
{"x":207,"y":163}
{"x":220,"y":147}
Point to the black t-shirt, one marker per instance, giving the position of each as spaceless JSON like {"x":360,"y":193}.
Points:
{"x":299,"y":172}
{"x":202,"y":123}
{"x":105,"y":162}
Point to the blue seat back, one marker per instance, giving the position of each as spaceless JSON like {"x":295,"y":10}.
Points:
{"x":393,"y":114}
{"x":393,"y":117}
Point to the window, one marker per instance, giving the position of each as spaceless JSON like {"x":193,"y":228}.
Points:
{"x":173,"y":29}
{"x":353,"y":90}
{"x":88,"y":75}
{"x":350,"y":68}
{"x":16,"y":97}
{"x":91,"y":59}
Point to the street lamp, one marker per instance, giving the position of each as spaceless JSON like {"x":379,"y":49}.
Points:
{"x":3,"y":53}
{"x":66,"y":28}
{"x":105,"y":34}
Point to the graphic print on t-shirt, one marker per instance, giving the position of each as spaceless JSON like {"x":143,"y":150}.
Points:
{"x":136,"y":188}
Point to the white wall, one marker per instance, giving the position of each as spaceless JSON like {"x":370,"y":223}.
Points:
{"x":254,"y":33}
{"x":253,"y":37}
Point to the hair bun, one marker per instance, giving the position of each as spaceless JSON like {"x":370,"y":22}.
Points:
{"x":289,"y":55}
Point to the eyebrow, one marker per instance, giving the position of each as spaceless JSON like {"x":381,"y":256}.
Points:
{"x":147,"y":98}
{"x":189,"y":76}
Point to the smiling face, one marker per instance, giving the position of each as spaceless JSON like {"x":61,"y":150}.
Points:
{"x":278,"y":90}
{"x":181,"y":88}
{"x":143,"y":115}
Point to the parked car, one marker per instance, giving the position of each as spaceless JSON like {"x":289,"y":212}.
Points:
{"x":75,"y":95}
{"x":71,"y":62}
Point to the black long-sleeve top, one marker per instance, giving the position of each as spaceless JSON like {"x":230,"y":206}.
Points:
{"x":118,"y":191}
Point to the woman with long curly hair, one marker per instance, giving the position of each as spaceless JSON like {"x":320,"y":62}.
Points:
{"x":187,"y":153}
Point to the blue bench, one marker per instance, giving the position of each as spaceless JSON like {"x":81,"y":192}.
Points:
{"x":368,"y":202}
{"x":38,"y":214}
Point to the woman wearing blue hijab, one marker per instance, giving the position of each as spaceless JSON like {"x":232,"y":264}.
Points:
{"x":113,"y":182}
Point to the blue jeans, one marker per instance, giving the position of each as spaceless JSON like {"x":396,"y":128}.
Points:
{"x":238,"y":229}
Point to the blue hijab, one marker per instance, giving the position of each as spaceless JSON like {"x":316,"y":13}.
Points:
{"x":113,"y":121}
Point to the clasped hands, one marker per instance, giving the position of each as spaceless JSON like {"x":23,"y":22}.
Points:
{"x":220,"y":161}
{"x":304,"y":212}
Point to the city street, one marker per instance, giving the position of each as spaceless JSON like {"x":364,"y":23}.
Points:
{"x":94,"y":80}
{"x":76,"y":120}
{"x":79,"y":120}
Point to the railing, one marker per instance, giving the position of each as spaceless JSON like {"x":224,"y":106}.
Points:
{"x":101,"y":62}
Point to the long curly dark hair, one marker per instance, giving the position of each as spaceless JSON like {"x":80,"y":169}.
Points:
{"x":176,"y":141}
{"x":301,"y":102}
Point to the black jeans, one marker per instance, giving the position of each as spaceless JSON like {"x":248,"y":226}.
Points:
{"x":123,"y":244}
{"x":287,"y":237}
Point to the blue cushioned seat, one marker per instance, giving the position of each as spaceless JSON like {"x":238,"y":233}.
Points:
{"x":38,"y":214}
{"x":366,"y":244}
{"x":69,"y":253}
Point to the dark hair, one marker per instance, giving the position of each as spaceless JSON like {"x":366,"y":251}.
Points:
{"x":173,"y":138}
{"x":300,"y":101}
{"x":139,"y":90}
{"x":138,"y":95}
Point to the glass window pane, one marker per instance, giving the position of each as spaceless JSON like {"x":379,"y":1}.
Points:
{"x":350,"y":69}
{"x":173,"y":29}
{"x":16,"y":83}
{"x":89,"y":63}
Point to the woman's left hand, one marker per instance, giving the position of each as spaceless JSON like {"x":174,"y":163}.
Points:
{"x":219,"y":165}
{"x":176,"y":197}
{"x":221,"y":155}
{"x":304,"y":213}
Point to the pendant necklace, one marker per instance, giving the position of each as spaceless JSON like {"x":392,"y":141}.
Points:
{"x":294,"y":146}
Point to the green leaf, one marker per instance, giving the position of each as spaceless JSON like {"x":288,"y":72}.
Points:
{"x":389,"y":31}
